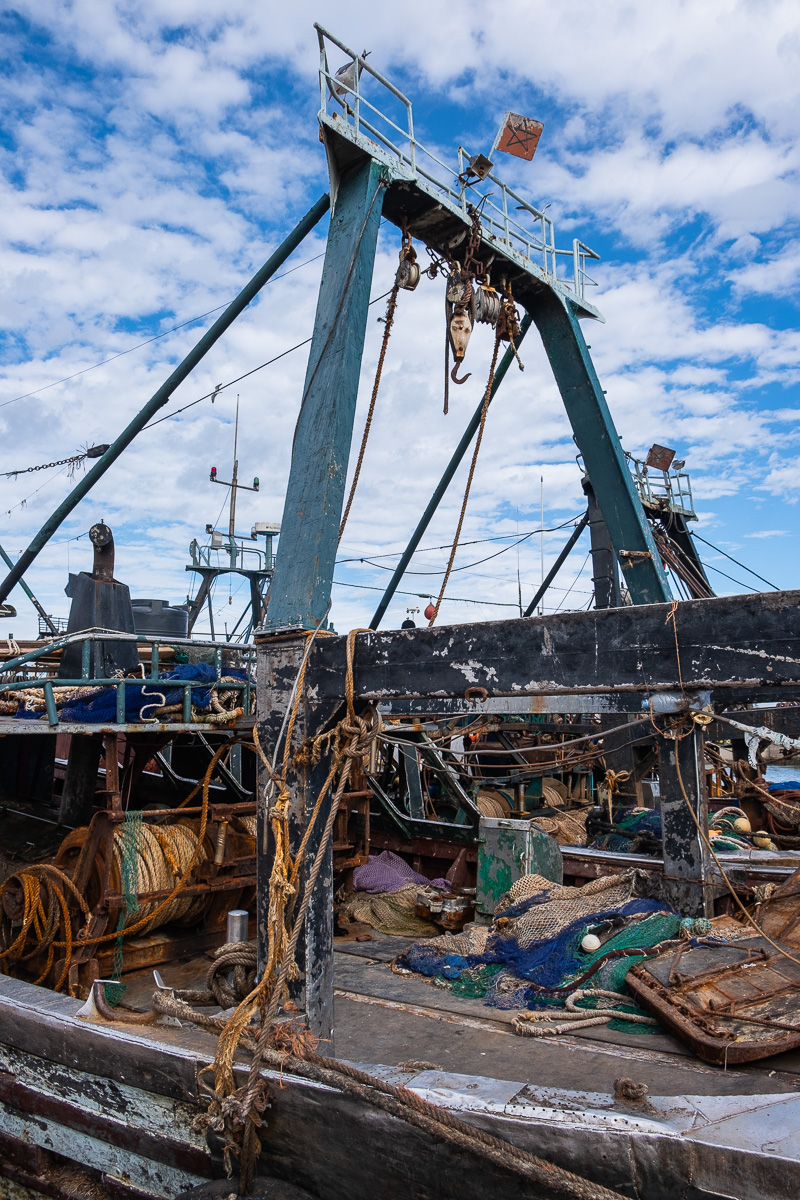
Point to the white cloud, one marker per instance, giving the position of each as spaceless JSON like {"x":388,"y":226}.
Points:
{"x":144,"y":185}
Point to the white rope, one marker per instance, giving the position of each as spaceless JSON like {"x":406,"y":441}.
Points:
{"x":525,"y":1024}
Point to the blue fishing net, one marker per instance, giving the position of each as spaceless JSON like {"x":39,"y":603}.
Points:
{"x":511,"y":976}
{"x":548,"y":962}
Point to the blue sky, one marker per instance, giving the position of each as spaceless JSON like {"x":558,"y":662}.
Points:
{"x":153,"y":154}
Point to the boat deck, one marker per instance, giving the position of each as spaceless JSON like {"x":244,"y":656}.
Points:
{"x":392,"y":1019}
{"x":126,"y":1103}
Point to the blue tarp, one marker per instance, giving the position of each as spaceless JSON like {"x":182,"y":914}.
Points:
{"x":102,"y":708}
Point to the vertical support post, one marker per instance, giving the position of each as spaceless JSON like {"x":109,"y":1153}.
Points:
{"x":687,"y":869}
{"x":111,"y":753}
{"x":301,"y":586}
{"x":279,"y":661}
{"x":598,"y":442}
{"x":605,"y":576}
{"x":80,"y":780}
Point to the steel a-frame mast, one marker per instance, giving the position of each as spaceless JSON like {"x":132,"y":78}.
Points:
{"x":373,"y":175}
{"x":379,"y":169}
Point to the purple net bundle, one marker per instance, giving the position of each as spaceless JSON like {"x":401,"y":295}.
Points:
{"x":387,"y":872}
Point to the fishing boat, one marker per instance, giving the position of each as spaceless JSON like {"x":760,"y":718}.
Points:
{"x":504,"y":908}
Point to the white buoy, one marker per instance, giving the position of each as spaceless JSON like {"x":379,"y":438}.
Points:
{"x":590,"y":942}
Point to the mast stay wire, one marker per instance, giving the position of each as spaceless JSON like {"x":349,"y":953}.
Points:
{"x":497,"y":537}
{"x":467,"y":566}
{"x":157,"y":337}
{"x":148,"y":341}
{"x":239,"y":378}
{"x":733,"y":560}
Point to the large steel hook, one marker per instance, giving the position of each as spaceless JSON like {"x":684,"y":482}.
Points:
{"x":454,"y":372}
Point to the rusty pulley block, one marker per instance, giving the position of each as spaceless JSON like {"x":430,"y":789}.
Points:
{"x":460,"y":321}
{"x":408,"y":273}
{"x":469,"y":303}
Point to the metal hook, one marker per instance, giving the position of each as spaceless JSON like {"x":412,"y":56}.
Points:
{"x":454,"y":375}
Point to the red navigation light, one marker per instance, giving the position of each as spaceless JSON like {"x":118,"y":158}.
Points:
{"x":213,"y":475}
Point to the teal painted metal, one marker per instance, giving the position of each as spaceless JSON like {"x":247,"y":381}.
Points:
{"x":301,"y":586}
{"x":509,"y":849}
{"x":444,"y":482}
{"x":162,"y":396}
{"x":599,"y":444}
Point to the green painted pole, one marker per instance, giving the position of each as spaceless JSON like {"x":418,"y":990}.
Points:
{"x":557,"y":565}
{"x":45,"y":617}
{"x":444,"y":482}
{"x":162,"y":396}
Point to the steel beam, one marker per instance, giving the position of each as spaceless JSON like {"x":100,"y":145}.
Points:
{"x":599,"y":444}
{"x":605,"y":577}
{"x":45,"y":616}
{"x":557,"y":565}
{"x":162,"y":396}
{"x":301,"y":585}
{"x":687,"y":863}
{"x":444,"y":482}
{"x":729,"y":642}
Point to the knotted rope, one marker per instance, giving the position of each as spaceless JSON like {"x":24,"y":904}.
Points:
{"x":347,"y":743}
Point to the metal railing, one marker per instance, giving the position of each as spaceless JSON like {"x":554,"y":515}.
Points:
{"x":342,"y":107}
{"x":236,"y":551}
{"x":220,"y":656}
{"x":667,"y":491}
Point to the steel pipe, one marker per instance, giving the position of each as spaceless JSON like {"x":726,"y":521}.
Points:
{"x":162,"y":396}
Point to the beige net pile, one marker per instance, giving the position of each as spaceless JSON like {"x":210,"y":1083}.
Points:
{"x":471,"y":940}
{"x":388,"y":912}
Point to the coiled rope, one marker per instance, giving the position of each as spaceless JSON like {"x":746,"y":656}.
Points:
{"x":40,"y":896}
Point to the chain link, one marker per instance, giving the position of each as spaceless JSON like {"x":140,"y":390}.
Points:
{"x":61,"y":462}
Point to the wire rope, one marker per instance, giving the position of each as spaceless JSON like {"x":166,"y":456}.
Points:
{"x":498,"y":537}
{"x":733,"y":560}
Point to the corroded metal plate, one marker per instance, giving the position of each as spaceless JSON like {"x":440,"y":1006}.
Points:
{"x":730,"y":1003}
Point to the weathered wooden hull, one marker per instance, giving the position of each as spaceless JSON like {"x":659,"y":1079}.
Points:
{"x":122,"y":1102}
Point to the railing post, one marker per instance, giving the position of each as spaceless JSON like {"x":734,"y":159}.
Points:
{"x":50,"y":703}
{"x":356,"y":93}
{"x":412,"y":143}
